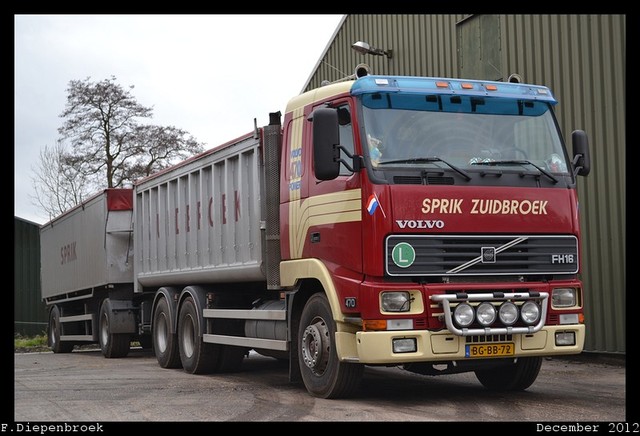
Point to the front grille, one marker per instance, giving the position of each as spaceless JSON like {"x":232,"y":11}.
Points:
{"x":463,"y":255}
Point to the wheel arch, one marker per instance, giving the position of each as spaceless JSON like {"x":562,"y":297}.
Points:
{"x":307,"y":275}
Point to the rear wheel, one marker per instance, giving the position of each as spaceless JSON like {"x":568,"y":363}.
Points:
{"x":112,"y":344}
{"x":165,"y":343}
{"x":197,"y":357}
{"x":323,"y":374}
{"x":516,"y":377}
{"x":55,"y":330}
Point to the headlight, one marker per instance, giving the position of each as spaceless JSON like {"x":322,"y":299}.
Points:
{"x":530,"y":312}
{"x":564,"y":297}
{"x":486,"y":314}
{"x":404,"y":345}
{"x":396,"y":302}
{"x":565,"y":338}
{"x":463,"y":315}
{"x":508,"y":313}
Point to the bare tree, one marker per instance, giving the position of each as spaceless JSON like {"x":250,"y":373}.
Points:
{"x":156,"y":149}
{"x":57,"y":187}
{"x":107,"y":144}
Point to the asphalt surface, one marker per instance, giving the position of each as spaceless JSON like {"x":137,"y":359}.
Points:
{"x":85,"y":387}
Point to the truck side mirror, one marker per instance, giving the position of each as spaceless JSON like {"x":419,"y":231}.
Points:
{"x":581,"y":159}
{"x":326,"y":138}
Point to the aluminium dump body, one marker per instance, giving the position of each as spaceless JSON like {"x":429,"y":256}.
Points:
{"x":88,"y":247}
{"x":199,"y":222}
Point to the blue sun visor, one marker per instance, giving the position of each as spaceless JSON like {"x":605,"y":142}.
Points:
{"x":452,"y":95}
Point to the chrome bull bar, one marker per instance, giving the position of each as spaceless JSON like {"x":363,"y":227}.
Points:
{"x":447,"y":299}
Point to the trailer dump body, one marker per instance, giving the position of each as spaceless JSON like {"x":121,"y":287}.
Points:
{"x":88,"y":247}
{"x":200,"y":222}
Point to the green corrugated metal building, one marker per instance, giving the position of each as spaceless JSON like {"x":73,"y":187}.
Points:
{"x":30,"y":314}
{"x":582,"y":58}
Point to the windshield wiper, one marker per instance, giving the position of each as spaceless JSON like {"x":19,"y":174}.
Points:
{"x":518,"y":162}
{"x":427,"y":160}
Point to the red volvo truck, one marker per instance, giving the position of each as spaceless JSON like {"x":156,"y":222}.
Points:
{"x":426,"y":223}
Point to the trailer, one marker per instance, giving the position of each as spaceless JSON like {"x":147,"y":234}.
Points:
{"x":87,"y":268}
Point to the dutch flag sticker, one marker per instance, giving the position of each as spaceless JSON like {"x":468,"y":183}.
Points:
{"x":372,"y":204}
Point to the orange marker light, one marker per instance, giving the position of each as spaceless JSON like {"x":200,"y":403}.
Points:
{"x":442,"y":84}
{"x":491,"y":87}
{"x":374,"y":324}
{"x":467,"y":86}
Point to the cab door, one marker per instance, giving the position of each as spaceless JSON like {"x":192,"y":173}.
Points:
{"x":335,"y":206}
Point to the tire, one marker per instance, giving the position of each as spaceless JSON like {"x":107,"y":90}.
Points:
{"x":53,"y":338}
{"x":112,"y":345}
{"x":165,"y":343}
{"x":196,"y":356}
{"x":323,"y":374}
{"x":516,"y":377}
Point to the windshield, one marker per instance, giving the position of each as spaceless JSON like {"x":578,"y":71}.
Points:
{"x":467,"y":132}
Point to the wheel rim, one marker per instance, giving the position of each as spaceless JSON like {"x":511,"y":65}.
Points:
{"x":316,"y":346}
{"x":188,"y":336}
{"x":161,"y":333}
{"x":104,"y":329}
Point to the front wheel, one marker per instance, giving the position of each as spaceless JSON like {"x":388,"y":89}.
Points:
{"x":112,"y":345}
{"x":516,"y":377}
{"x":323,"y":374}
{"x":55,"y":330}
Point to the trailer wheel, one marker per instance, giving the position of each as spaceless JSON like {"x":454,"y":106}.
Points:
{"x":112,"y":344}
{"x":57,"y":346}
{"x":323,"y":374}
{"x":197,"y":357}
{"x":516,"y":377}
{"x":165,"y":343}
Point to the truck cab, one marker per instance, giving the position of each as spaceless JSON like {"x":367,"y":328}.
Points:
{"x":440,"y":219}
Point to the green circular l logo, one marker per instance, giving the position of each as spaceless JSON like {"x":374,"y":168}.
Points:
{"x":403,"y":255}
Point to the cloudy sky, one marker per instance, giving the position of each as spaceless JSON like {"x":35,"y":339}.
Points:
{"x":210,"y":75}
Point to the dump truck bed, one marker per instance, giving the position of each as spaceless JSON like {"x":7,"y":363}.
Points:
{"x":200,"y":222}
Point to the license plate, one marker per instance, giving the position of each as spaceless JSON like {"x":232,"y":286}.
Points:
{"x":490,"y":350}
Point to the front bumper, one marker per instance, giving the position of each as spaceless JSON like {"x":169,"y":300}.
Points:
{"x":376,"y":347}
